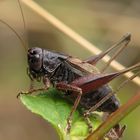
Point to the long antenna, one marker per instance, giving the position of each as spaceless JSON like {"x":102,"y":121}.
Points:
{"x":19,"y":37}
{"x":24,"y":23}
{"x":21,"y":10}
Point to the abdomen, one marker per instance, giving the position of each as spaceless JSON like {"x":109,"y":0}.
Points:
{"x":92,"y":98}
{"x":65,"y":74}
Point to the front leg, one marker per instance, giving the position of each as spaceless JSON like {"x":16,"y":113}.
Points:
{"x":68,"y":87}
{"x":46,"y":82}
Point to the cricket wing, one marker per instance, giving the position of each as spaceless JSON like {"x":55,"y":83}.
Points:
{"x":78,"y":66}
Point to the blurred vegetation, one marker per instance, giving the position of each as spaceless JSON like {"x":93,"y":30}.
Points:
{"x":100,"y":22}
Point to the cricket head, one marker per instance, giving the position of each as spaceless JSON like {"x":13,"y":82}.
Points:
{"x":35,"y":56}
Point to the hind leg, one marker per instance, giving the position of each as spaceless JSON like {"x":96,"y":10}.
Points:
{"x":94,"y":59}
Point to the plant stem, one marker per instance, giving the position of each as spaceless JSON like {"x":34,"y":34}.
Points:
{"x":115,"y":117}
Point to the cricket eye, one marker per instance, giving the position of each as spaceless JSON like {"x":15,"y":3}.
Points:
{"x":35,"y":59}
{"x":32,"y":61}
{"x":37,"y":56}
{"x":33,"y":52}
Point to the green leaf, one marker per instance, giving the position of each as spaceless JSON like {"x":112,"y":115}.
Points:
{"x":55,"y":109}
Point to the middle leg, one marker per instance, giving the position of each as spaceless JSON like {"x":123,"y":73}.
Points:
{"x":67,"y":87}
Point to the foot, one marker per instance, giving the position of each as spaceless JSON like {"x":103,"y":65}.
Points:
{"x":119,"y":130}
{"x":32,"y":91}
{"x":86,"y":115}
{"x":68,"y":127}
{"x":116,"y":132}
{"x":20,"y":93}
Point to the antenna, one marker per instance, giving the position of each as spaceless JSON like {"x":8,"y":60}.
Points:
{"x":24,"y":43}
{"x":18,"y":36}
{"x":21,"y":10}
{"x":24,"y":23}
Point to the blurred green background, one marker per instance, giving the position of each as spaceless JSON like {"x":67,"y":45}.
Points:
{"x":100,"y":22}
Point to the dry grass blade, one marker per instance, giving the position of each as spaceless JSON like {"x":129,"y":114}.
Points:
{"x":75,"y":36}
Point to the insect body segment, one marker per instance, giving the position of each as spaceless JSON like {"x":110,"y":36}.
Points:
{"x":42,"y":62}
{"x":35,"y":57}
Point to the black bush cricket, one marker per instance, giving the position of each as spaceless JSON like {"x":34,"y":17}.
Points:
{"x":81,"y":81}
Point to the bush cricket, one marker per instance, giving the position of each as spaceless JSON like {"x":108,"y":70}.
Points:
{"x":79,"y":80}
